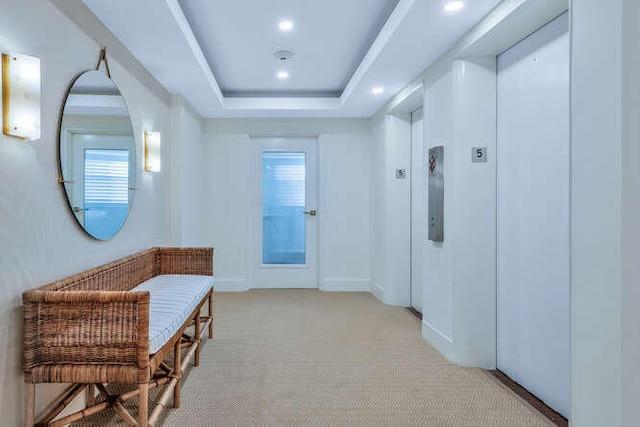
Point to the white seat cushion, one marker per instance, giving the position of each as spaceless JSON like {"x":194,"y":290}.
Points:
{"x":173,"y":297}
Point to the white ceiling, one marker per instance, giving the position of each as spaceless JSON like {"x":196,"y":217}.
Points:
{"x":240,"y":46}
{"x":219,"y":54}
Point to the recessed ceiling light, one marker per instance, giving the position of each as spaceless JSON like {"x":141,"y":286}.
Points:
{"x":453,"y":6}
{"x":285,"y":25}
{"x":283,"y":75}
{"x":377,"y":90}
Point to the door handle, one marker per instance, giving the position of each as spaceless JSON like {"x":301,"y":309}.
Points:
{"x":311,"y":212}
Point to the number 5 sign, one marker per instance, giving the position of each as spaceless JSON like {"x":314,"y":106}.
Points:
{"x":478,"y":154}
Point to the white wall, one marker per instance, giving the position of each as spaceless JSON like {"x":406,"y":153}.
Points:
{"x":459,"y":275}
{"x":398,"y":210}
{"x":605,"y":174}
{"x":419,"y":234}
{"x":605,"y":171}
{"x":391,"y":209}
{"x":437,"y":305}
{"x":376,"y":209}
{"x":40,"y":240}
{"x":474,"y":232}
{"x":460,"y":113}
{"x":230,"y":176}
{"x":185,"y":150}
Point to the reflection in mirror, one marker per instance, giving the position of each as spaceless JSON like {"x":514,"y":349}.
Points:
{"x":97,"y":154}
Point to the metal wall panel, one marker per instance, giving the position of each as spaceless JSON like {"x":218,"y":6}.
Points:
{"x":436,"y":193}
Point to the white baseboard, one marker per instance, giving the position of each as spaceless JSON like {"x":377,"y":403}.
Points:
{"x":345,"y":285}
{"x":231,"y":285}
{"x":377,"y":291}
{"x":241,"y":285}
{"x":439,"y":341}
{"x":455,"y":353}
{"x":284,"y":286}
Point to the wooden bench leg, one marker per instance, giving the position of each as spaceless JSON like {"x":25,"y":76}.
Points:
{"x":143,"y":414}
{"x":91,"y":395}
{"x":30,"y":401}
{"x":197,"y":338}
{"x":211,"y":315}
{"x":177,"y":361}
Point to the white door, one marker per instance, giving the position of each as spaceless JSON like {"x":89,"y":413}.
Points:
{"x":287,"y":213}
{"x":98,"y":187}
{"x":418,"y":209}
{"x":533,"y":214}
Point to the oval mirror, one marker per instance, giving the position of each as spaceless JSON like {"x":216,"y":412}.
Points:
{"x":97,"y":154}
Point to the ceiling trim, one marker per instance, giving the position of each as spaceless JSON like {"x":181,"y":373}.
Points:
{"x":300,"y":102}
{"x":508,"y":23}
{"x":194,"y":45}
{"x":279,"y":103}
{"x":78,"y":13}
{"x":181,"y":64}
{"x":393,"y":23}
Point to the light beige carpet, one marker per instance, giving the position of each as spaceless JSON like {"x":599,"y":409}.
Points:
{"x":308,"y":358}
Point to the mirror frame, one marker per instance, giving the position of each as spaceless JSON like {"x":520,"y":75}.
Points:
{"x":133,"y":158}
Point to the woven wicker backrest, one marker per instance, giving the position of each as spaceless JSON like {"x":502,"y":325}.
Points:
{"x":185,"y":261}
{"x":121,"y":275}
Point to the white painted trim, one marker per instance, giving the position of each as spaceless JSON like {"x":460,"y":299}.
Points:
{"x":439,"y":341}
{"x":179,"y":100}
{"x":279,"y":285}
{"x":196,"y":49}
{"x":408,"y":99}
{"x":283,"y":103}
{"x":80,"y":14}
{"x":401,"y":10}
{"x":345,"y":285}
{"x":257,"y":136}
{"x":377,"y":291}
{"x":231,"y":285}
{"x":504,"y":26}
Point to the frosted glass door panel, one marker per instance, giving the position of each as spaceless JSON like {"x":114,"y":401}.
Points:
{"x":283,"y":206}
{"x":285,"y":218}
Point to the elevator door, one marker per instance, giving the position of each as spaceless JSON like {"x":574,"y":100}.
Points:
{"x":533,"y":214}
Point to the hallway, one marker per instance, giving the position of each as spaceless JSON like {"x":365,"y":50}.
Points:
{"x":295,"y":357}
{"x":301,"y":357}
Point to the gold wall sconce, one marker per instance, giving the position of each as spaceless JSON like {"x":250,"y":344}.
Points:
{"x":152,"y":151}
{"x":21,"y":96}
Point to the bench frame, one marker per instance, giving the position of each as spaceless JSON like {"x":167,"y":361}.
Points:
{"x":89,"y":330}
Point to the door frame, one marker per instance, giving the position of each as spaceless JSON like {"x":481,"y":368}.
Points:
{"x":413,"y":170}
{"x":264,"y":275}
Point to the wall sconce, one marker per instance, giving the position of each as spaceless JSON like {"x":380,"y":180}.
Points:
{"x":21,"y":96}
{"x":152,"y":151}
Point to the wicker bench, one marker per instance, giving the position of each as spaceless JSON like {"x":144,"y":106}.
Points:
{"x":116,"y":324}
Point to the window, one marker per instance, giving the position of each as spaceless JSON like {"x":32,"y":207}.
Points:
{"x":106,"y":191}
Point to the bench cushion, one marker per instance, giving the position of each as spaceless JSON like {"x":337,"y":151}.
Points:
{"x":173,"y":297}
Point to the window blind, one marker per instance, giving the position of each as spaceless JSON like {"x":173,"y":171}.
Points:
{"x":106,"y":177}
